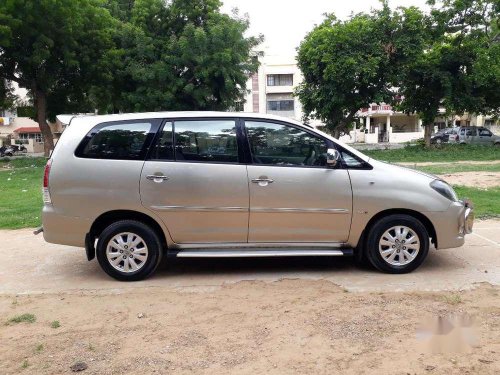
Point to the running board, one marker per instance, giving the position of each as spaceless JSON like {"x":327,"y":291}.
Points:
{"x":244,"y":253}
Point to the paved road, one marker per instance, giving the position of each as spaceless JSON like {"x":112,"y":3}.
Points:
{"x":29,"y":265}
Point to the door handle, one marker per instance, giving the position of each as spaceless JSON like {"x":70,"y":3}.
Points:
{"x":157,"y":178}
{"x":262,"y":181}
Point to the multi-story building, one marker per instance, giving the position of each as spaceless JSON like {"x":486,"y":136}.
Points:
{"x":271,"y":91}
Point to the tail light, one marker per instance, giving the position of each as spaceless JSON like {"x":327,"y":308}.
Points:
{"x":45,"y":190}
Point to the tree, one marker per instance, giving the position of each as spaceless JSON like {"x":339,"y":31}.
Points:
{"x":53,"y":48}
{"x":348,"y":65}
{"x":7,"y":96}
{"x":181,"y":55}
{"x":460,"y":67}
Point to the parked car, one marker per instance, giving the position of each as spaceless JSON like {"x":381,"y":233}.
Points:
{"x":133,"y":188}
{"x":445,"y":135}
{"x":478,"y":136}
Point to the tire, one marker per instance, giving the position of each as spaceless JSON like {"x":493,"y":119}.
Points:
{"x":115,"y":245}
{"x":406,"y":256}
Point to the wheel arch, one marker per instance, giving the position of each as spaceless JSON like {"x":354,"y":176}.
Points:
{"x":109,"y":217}
{"x":417,"y":215}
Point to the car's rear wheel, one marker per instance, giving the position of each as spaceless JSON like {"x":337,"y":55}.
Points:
{"x":397,"y":244}
{"x":129,"y":250}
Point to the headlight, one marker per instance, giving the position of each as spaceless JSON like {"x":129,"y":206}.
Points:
{"x":444,"y":189}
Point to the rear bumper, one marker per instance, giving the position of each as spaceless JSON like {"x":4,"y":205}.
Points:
{"x":453,"y":224}
{"x":64,"y":230}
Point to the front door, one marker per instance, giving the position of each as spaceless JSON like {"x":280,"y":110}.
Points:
{"x":194,"y":183}
{"x":485,"y":136}
{"x":294,"y":196}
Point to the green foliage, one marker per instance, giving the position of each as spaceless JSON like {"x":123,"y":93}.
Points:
{"x":445,"y":153}
{"x":26,"y":318}
{"x":7,"y":97}
{"x":459,"y":67}
{"x":180,"y":55}
{"x":55,"y":324}
{"x":26,"y":111}
{"x":486,"y":201}
{"x":349,"y":64}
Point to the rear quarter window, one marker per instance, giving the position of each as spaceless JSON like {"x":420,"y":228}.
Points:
{"x":124,"y":140}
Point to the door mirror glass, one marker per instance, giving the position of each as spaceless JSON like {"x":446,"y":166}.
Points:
{"x":332,"y":157}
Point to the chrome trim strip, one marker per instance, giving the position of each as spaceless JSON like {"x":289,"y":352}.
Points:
{"x":261,"y":245}
{"x":200,"y":208}
{"x":255,"y":209}
{"x":302,"y":210}
{"x":256,"y":253}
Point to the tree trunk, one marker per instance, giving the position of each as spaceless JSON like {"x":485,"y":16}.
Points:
{"x":336,"y":132}
{"x":40,"y":101}
{"x":427,"y":135}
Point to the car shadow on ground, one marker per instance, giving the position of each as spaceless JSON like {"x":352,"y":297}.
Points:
{"x":234,"y":266}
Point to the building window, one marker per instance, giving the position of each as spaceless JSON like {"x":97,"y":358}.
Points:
{"x":280,"y":79}
{"x":280,"y":105}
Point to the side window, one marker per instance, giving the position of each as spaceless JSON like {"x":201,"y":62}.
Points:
{"x":206,"y":140}
{"x":462,"y":131}
{"x":485,"y":132}
{"x":164,"y":146}
{"x":276,"y":144}
{"x":124,"y":140}
{"x":350,"y":161}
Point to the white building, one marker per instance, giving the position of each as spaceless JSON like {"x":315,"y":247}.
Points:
{"x":271,"y":91}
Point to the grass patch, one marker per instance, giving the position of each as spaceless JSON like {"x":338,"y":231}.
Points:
{"x":27,"y":318}
{"x":25,"y":364}
{"x":456,"y":168}
{"x":486,"y":201}
{"x":452,"y":299}
{"x":55,"y":324}
{"x":452,"y":153}
{"x":39,"y":348}
{"x":21,"y":198}
{"x":23,"y":162}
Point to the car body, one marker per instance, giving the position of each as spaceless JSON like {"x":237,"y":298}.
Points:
{"x":216,"y":184}
{"x":477,"y":135}
{"x":446,"y":135}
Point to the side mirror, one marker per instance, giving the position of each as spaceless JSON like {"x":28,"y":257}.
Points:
{"x":332,"y":157}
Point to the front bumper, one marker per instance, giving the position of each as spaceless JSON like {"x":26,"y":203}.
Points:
{"x":452,"y":225}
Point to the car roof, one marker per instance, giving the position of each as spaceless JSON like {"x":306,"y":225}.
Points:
{"x":182,"y":114}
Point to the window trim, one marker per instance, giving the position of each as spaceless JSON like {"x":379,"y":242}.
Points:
{"x":146,"y":147}
{"x":173,"y":120}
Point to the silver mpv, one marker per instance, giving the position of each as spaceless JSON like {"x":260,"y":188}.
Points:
{"x":133,"y":188}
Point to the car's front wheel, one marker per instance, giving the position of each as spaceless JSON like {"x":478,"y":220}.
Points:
{"x":397,"y":244}
{"x":129,"y":250}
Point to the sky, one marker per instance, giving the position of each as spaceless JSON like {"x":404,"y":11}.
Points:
{"x":284,"y":23}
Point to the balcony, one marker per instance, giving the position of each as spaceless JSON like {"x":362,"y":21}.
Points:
{"x":384,"y":109}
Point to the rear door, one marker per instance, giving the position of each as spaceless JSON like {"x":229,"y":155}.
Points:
{"x":294,"y":196}
{"x":193,"y":180}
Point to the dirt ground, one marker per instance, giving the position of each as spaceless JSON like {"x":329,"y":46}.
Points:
{"x":251,"y":316}
{"x":253,"y":327}
{"x":482,"y":180}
